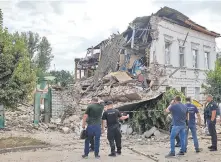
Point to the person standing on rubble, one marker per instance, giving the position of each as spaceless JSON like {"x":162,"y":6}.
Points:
{"x":92,"y":139}
{"x":93,"y":116}
{"x":112,"y":116}
{"x":177,"y":136}
{"x":192,"y":110}
{"x":210,"y":113}
{"x":179,"y":116}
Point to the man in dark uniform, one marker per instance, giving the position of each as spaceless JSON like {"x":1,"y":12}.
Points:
{"x":210,"y":116}
{"x":112,"y":116}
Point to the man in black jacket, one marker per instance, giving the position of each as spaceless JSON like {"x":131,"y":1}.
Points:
{"x":112,"y":117}
{"x":210,"y":116}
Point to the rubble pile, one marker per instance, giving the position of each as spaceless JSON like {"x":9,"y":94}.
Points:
{"x":20,"y":119}
{"x":116,"y":88}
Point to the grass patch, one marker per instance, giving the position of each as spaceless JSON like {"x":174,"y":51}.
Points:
{"x":12,"y":142}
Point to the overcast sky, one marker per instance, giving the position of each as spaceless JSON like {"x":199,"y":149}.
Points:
{"x":74,"y":25}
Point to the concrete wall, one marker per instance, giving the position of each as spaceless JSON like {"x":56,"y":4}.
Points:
{"x":190,"y":77}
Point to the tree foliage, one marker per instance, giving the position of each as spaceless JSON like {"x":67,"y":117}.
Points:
{"x":153,"y":113}
{"x":17,"y":78}
{"x":1,"y":18}
{"x":40,"y":51}
{"x":213,"y":81}
{"x":32,"y":41}
{"x":44,"y":55}
{"x":63,"y":77}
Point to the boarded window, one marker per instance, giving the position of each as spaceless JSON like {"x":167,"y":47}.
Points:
{"x":195,"y":58}
{"x":182,"y":56}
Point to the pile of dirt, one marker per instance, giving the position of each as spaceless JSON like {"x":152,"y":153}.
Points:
{"x":12,"y":142}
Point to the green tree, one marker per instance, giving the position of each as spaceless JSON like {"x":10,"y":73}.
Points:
{"x":1,"y":18}
{"x":32,"y":41}
{"x":213,"y":81}
{"x":17,"y":79}
{"x":44,"y":55}
{"x":63,"y":77}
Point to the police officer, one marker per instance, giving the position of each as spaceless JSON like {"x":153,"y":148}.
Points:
{"x":112,"y":115}
{"x":210,"y":116}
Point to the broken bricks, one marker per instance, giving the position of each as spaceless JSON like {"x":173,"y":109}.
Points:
{"x":152,"y":131}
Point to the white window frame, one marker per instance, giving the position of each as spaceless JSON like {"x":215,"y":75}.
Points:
{"x":182,"y":53}
{"x":195,"y":58}
{"x":167,"y":54}
{"x":197,"y":97}
{"x":207,"y":60}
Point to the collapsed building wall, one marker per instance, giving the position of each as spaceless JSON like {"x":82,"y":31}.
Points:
{"x":109,"y":57}
{"x":133,"y":66}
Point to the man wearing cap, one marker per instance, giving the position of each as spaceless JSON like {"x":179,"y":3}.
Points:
{"x":93,"y":116}
{"x":112,"y":116}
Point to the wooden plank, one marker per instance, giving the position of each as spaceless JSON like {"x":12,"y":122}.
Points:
{"x":121,"y":76}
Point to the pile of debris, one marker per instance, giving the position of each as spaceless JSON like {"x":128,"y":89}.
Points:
{"x":120,"y":87}
{"x":20,"y":119}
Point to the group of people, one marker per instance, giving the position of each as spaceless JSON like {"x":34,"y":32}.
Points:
{"x":98,"y":116}
{"x":184,"y":119}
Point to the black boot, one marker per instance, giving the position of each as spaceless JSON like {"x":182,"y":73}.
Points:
{"x":112,"y":154}
{"x":181,"y":153}
{"x":85,"y":156}
{"x":213,"y":149}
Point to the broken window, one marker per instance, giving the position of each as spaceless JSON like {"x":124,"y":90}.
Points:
{"x":206,"y":60}
{"x":183,"y":90}
{"x":78,"y":74}
{"x":182,"y":56}
{"x":195,"y":58}
{"x":167,"y":52}
{"x":82,"y":73}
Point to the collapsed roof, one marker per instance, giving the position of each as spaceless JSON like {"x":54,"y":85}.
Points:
{"x":173,"y":16}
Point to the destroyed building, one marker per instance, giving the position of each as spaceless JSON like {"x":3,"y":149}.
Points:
{"x":163,"y":50}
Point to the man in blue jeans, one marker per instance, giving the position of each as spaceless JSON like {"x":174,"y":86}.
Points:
{"x":179,"y":116}
{"x":192,"y":110}
{"x":93,"y":116}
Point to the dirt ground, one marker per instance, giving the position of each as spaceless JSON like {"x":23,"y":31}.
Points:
{"x":68,"y":148}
